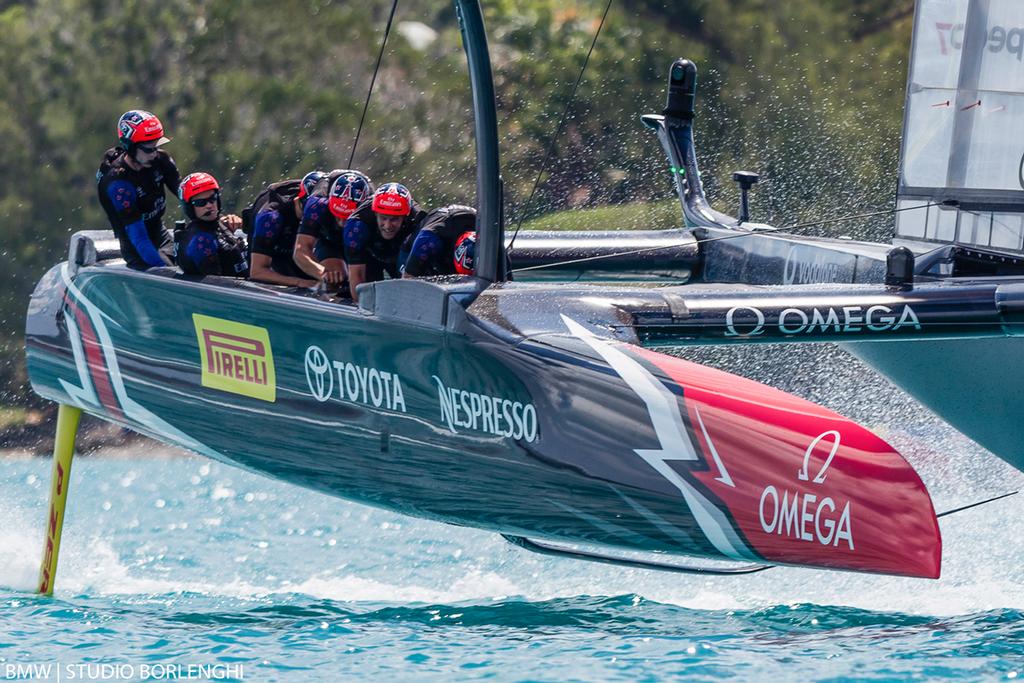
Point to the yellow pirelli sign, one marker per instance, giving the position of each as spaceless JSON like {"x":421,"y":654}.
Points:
{"x":236,"y":357}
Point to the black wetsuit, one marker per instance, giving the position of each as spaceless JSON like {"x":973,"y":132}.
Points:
{"x":209,"y":248}
{"x":364,"y":245}
{"x":431,"y":251}
{"x":319,"y":222}
{"x":275,"y":228}
{"x":135,"y":203}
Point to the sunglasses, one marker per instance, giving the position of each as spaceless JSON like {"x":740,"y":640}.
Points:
{"x":200,"y":203}
{"x":146,"y":149}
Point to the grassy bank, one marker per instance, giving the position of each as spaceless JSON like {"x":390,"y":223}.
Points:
{"x":637,"y":216}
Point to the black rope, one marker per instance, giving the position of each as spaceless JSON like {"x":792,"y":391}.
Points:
{"x":974,"y":505}
{"x":366,"y":104}
{"x":783,"y":230}
{"x":561,"y":122}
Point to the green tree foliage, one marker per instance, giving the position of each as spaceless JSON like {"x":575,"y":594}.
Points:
{"x":808,"y":92}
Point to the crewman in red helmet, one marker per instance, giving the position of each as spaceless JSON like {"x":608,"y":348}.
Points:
{"x":444,"y":245}
{"x":207,"y":245}
{"x":374,"y":234}
{"x":319,"y":249}
{"x":131,"y":182}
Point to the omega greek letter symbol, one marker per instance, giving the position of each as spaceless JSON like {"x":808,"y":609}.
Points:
{"x":820,"y":477}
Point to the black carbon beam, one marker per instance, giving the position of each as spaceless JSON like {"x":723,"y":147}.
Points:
{"x":490,"y":258}
{"x":553,"y":550}
{"x":829,"y":314}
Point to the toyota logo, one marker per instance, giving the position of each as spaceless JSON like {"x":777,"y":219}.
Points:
{"x":318,"y":374}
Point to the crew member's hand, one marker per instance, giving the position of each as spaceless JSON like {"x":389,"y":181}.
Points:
{"x":334,"y":277}
{"x":232,"y":222}
{"x":309,"y":284}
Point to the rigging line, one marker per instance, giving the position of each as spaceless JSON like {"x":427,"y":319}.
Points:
{"x":697,"y":325}
{"x":974,"y":505}
{"x":722,"y":238}
{"x":842,"y":219}
{"x":561,"y":122}
{"x":366,"y":103}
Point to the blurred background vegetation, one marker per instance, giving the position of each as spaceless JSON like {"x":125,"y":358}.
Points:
{"x":807,"y":92}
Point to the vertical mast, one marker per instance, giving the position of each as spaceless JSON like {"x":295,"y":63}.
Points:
{"x":490,"y":247}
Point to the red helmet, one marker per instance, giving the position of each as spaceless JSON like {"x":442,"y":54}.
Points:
{"x":347,"y":192}
{"x":138,"y":126}
{"x":465,"y":250}
{"x":392,"y":199}
{"x":195,"y":184}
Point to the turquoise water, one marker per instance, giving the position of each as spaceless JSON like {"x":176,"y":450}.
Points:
{"x":178,"y":562}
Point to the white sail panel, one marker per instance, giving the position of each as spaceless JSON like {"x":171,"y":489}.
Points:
{"x":928,"y":137}
{"x":965,"y":98}
{"x":938,"y":40}
{"x":931,"y":91}
{"x":996,"y":147}
{"x":1002,"y":59}
{"x":963,"y":133}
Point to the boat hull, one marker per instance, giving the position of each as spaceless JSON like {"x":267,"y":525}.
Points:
{"x":566,"y":437}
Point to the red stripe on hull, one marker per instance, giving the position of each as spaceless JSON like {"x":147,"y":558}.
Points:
{"x":96,"y":361}
{"x":809,"y":486}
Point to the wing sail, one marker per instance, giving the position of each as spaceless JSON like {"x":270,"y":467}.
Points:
{"x":962,"y":158}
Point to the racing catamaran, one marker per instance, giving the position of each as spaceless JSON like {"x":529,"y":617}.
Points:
{"x":542,"y":411}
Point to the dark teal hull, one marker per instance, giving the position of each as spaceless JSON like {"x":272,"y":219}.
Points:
{"x":418,"y":405}
{"x":383,"y":443}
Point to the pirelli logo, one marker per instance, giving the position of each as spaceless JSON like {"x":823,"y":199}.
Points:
{"x":236,"y":357}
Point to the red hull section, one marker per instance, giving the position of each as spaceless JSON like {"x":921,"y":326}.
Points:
{"x":801,"y":484}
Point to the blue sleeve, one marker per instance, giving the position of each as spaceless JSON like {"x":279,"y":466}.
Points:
{"x":425,"y":251}
{"x":124,"y":199}
{"x":266,"y":231}
{"x":357,"y":238}
{"x":202,"y":251}
{"x":140,"y":240}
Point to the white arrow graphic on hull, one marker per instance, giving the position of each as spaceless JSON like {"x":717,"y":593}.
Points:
{"x":674,"y":440}
{"x":723,"y":474}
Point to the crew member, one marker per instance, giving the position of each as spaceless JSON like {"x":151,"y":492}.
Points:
{"x":444,"y":245}
{"x":207,"y":245}
{"x":131,"y":181}
{"x":319,"y":250}
{"x":278,"y":211}
{"x":464,"y":256}
{"x":375,"y":232}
